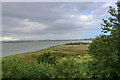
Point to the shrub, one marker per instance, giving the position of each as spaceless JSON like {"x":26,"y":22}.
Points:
{"x":47,"y":58}
{"x":106,"y":48}
{"x":105,"y":55}
{"x":77,"y":43}
{"x":59,"y":54}
{"x":70,"y":69}
{"x":28,"y":70}
{"x":100,"y":47}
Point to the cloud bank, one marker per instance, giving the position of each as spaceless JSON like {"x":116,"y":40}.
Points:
{"x":42,"y":20}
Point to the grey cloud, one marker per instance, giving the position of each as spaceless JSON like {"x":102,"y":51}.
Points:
{"x":38,"y":20}
{"x":46,"y":11}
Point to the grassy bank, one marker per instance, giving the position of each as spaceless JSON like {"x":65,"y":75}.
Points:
{"x":63,"y":61}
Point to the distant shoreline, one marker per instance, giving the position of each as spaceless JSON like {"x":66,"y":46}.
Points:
{"x":20,"y":41}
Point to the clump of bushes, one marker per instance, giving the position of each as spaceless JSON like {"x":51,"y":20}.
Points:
{"x":28,"y":70}
{"x":63,"y":69}
{"x":105,"y":55}
{"x":77,"y":43}
{"x":101,"y":47}
{"x":47,"y":58}
{"x":51,"y":57}
{"x":71,"y":69}
{"x":106,"y":48}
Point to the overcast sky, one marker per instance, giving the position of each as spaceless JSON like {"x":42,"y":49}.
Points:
{"x":39,"y":21}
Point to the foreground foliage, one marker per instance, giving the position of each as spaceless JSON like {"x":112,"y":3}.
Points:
{"x":28,"y":70}
{"x":69,"y":68}
{"x":106,"y":61}
{"x":47,"y":58}
{"x":105,"y":49}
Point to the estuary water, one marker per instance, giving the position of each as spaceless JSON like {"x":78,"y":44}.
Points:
{"x":22,"y":47}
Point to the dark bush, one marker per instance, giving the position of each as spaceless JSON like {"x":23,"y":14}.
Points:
{"x":28,"y":70}
{"x":47,"y":58}
{"x":77,"y":43}
{"x":59,"y":54}
{"x":106,"y":58}
{"x":70,"y":69}
{"x":106,"y":48}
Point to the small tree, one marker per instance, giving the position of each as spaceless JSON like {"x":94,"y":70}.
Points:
{"x":106,"y":48}
{"x":112,"y":25}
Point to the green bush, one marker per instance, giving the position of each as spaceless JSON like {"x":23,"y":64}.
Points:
{"x":106,"y":48}
{"x":101,"y":47}
{"x":47,"y":58}
{"x":60,"y":54}
{"x":70,"y":69}
{"x":63,"y":69}
{"x":77,"y":43}
{"x":106,"y":58}
{"x":28,"y":70}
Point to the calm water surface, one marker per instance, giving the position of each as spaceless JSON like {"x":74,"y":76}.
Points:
{"x":21,"y":47}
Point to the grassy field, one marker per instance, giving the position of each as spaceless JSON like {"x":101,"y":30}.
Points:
{"x":69,"y":59}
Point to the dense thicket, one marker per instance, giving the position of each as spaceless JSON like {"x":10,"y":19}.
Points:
{"x":47,"y":58}
{"x":68,"y":69}
{"x":106,"y":48}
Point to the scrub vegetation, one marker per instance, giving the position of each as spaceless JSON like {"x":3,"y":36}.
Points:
{"x":63,"y":61}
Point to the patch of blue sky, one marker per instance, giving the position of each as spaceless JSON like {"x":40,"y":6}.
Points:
{"x":89,"y":12}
